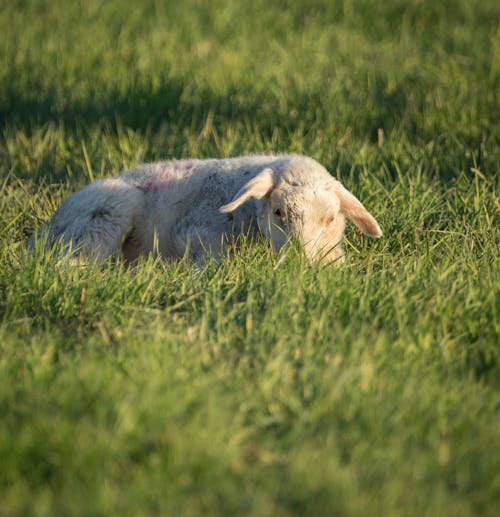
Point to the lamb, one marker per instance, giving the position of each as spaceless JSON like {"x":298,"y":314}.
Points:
{"x":196,"y":207}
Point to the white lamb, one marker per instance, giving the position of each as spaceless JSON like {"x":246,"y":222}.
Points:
{"x":198,"y":206}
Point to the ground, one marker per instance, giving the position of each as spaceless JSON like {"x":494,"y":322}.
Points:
{"x":263,"y":385}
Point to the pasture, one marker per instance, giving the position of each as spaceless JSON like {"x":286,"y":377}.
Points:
{"x":261,"y":385}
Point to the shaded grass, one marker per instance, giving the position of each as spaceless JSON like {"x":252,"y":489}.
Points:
{"x":261,"y":385}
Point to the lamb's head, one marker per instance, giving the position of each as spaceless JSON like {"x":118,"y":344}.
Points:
{"x":311,"y":208}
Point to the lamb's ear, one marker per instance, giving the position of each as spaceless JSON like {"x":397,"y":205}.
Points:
{"x":256,"y":188}
{"x":355,"y":211}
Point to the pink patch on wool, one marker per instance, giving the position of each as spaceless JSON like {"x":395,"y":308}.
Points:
{"x":160,"y":180}
{"x":182,"y":166}
{"x":165,"y":175}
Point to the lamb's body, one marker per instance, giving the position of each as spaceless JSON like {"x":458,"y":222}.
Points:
{"x":174,"y":206}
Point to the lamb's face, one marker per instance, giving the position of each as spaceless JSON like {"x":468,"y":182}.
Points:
{"x":311,"y":211}
{"x":311,"y":215}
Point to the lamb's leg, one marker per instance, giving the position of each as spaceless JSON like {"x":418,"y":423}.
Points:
{"x":93,"y":222}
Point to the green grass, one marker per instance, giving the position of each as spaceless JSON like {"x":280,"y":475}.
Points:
{"x":263,"y":385}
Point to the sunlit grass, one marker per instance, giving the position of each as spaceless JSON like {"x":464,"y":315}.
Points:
{"x":261,"y":385}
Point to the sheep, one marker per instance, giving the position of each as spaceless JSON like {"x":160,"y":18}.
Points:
{"x":196,"y":207}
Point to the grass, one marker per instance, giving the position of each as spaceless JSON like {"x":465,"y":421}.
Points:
{"x":262,"y":385}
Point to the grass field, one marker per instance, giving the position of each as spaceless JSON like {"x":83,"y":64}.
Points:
{"x":262,"y":385}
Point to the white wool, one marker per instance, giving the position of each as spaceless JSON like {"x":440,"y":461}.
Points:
{"x":171,"y":207}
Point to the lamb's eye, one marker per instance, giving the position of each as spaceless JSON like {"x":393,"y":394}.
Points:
{"x":277,"y":212}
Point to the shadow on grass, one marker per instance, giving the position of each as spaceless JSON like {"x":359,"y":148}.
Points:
{"x":145,"y":105}
{"x":140,"y":106}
